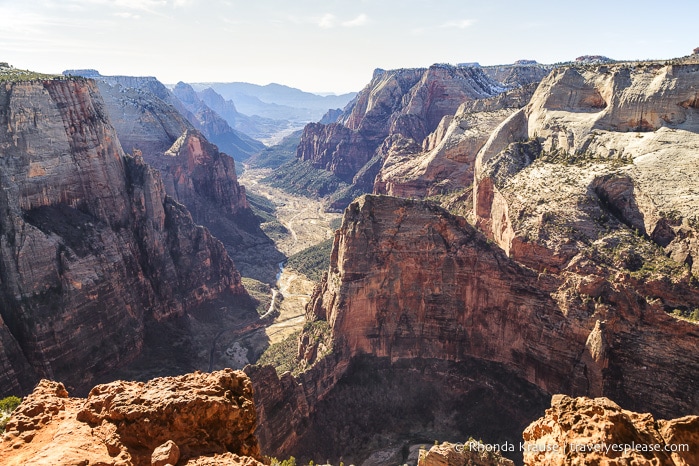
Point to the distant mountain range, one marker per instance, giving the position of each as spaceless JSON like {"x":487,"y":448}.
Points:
{"x":277,"y":101}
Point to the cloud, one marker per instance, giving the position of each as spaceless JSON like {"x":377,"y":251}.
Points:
{"x":127,"y":15}
{"x":358,"y":21}
{"x":327,"y":21}
{"x":459,"y":24}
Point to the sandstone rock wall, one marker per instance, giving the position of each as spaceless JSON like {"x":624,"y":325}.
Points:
{"x":408,"y":280}
{"x":90,"y":245}
{"x":149,"y":119}
{"x":445,"y":162}
{"x":627,"y":133}
{"x":398,"y":106}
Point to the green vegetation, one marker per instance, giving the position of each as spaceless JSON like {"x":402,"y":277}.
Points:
{"x":277,"y":155}
{"x":265,"y":210}
{"x":275,"y":462}
{"x":282,"y":355}
{"x":312,"y":261}
{"x":301,"y":178}
{"x":458,"y":202}
{"x":7,"y":405}
{"x":9,"y":74}
{"x":582,"y":159}
{"x":262,"y":207}
{"x":344,"y":197}
{"x":692,"y":316}
{"x":261,"y":293}
{"x":336,"y":223}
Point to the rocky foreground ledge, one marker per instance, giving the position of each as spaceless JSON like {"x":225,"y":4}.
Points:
{"x":584,"y":431}
{"x":194,"y":419}
{"x":209,"y":419}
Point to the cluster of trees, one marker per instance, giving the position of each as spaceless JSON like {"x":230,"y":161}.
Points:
{"x":7,"y":405}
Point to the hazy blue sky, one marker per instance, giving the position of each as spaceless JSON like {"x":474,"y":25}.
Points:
{"x":329,"y":45}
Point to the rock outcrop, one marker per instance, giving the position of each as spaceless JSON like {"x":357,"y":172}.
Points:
{"x":412,"y":289}
{"x":445,"y":162}
{"x":408,"y":280}
{"x":520,"y":73}
{"x":395,"y":112}
{"x":616,"y":141}
{"x":188,"y":420}
{"x":598,"y":431}
{"x":91,"y":247}
{"x":449,"y":454}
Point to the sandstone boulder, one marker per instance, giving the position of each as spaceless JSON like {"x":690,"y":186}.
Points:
{"x":598,"y":431}
{"x":163,"y":421}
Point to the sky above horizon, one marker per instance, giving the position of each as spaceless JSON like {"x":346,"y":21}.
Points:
{"x":328,"y":46}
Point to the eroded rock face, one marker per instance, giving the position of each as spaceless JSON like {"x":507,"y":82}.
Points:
{"x":90,"y":245}
{"x":596,"y":431}
{"x":195,"y":418}
{"x":445,"y":162}
{"x":214,"y":126}
{"x":616,"y":141}
{"x":408,"y":280}
{"x":416,"y":295}
{"x":151,"y":121}
{"x":398,"y":106}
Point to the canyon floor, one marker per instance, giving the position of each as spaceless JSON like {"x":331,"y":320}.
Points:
{"x":307,"y":224}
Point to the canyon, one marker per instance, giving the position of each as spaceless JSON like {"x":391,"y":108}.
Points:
{"x":512,"y":238}
{"x":193,"y":148}
{"x":567,"y":269}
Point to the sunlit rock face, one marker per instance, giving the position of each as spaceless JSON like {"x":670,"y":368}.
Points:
{"x":90,"y":244}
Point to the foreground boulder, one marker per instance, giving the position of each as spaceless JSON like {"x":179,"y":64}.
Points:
{"x":191,"y":419}
{"x":598,"y":431}
{"x":449,"y":454}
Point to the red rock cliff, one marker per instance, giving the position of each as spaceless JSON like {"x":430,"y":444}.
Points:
{"x":406,"y":102}
{"x":408,"y":280}
{"x":90,"y":245}
{"x":195,"y":172}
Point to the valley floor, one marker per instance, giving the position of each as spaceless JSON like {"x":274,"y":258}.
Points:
{"x":307,"y":224}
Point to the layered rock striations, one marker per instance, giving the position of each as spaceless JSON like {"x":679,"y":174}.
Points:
{"x":195,"y":172}
{"x":91,"y":247}
{"x":446,"y":160}
{"x":613,"y":142}
{"x":520,"y":73}
{"x":416,"y":295}
{"x":408,"y":280}
{"x":409,"y":102}
{"x":598,"y":431}
{"x":188,"y":420}
{"x":398,"y":109}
